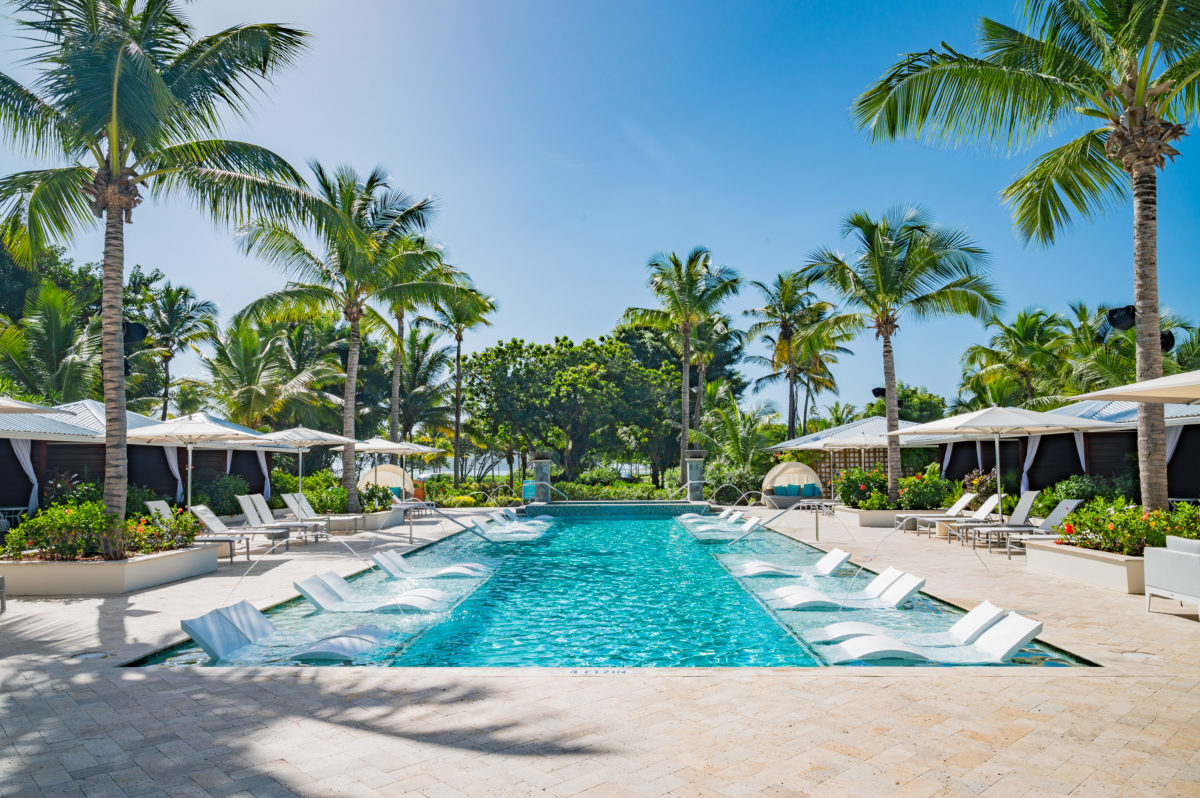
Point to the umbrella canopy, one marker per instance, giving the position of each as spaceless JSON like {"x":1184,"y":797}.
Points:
{"x":1181,"y":389}
{"x":15,"y":406}
{"x":866,"y":433}
{"x":380,"y":446}
{"x":301,"y":439}
{"x":191,"y":430}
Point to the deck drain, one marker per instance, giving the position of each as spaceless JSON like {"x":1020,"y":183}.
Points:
{"x":89,"y":655}
{"x":1140,"y":656}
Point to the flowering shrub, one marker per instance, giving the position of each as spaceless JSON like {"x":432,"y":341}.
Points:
{"x":923,"y":492}
{"x":1123,"y":527}
{"x":68,"y":532}
{"x":876,"y":501}
{"x":1085,"y":487}
{"x":147,"y":534}
{"x":853,"y":486}
{"x":641,"y":491}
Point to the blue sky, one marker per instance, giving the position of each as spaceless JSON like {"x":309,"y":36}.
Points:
{"x":568,"y":141}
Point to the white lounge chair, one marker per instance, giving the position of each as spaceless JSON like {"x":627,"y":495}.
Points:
{"x":728,"y":511}
{"x":217,"y":527}
{"x":511,"y":516}
{"x":307,"y":513}
{"x":395,"y":566}
{"x":266,"y":518}
{"x":896,"y":594}
{"x":510,"y":531}
{"x":162,"y":510}
{"x":964,"y":631}
{"x":1046,"y":530}
{"x":504,"y":520}
{"x":929,"y":523}
{"x":971,"y":528}
{"x":996,"y":645}
{"x":224,"y":630}
{"x":953,"y":511}
{"x":328,"y":593}
{"x":874,"y":588}
{"x":726,"y":522}
{"x":822,"y":567}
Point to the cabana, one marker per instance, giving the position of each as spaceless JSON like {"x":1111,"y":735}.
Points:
{"x":858,"y":444}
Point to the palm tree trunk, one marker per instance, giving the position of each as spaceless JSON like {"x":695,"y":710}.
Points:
{"x":791,"y":412}
{"x":116,"y":462}
{"x":893,"y":419}
{"x":685,"y":362}
{"x":396,"y":364}
{"x":457,"y":408}
{"x":349,"y":405}
{"x":1151,"y":436}
{"x":700,"y":370}
{"x":804,"y":418}
{"x":166,"y":397}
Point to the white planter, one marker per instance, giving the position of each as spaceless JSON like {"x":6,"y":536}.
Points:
{"x":876,"y":519}
{"x":1113,"y":571}
{"x":106,"y":577}
{"x":375,"y":520}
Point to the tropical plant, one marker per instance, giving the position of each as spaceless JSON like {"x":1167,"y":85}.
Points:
{"x":423,"y":383}
{"x":1127,"y":72}
{"x":707,"y":339}
{"x":905,"y":265}
{"x":175,"y":320}
{"x":52,"y":353}
{"x":737,"y":435}
{"x":129,"y":99}
{"x":355,"y":265}
{"x":689,"y":291}
{"x":840,"y":413}
{"x":1025,"y":351}
{"x":456,"y":315}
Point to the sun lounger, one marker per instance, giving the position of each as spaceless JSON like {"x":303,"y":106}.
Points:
{"x":397,"y":567}
{"x":717,"y":534}
{"x":511,"y":516}
{"x":874,"y":588}
{"x":727,"y":521}
{"x":224,"y":630}
{"x":996,"y":645}
{"x":953,"y":511}
{"x":266,"y":518}
{"x":970,"y":528}
{"x":896,"y":594}
{"x":1046,"y":530}
{"x":964,"y":631}
{"x":162,"y":510}
{"x":929,"y":524}
{"x":503,"y":520}
{"x":511,"y":531}
{"x":328,"y":592}
{"x":306,"y":513}
{"x":705,"y":516}
{"x":217,"y":527}
{"x":822,"y":567}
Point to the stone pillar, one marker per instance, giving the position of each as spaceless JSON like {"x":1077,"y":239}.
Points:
{"x":694,"y":473}
{"x":541,"y":475}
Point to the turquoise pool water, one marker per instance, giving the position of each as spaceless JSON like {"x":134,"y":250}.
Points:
{"x":596,"y":592}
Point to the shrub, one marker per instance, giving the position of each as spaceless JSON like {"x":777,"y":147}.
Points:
{"x":282,"y":482}
{"x":982,"y":484}
{"x":220,"y":494}
{"x":146,"y":534}
{"x":622,"y":491}
{"x":1085,"y":487}
{"x":923,"y":492}
{"x":600,"y":475}
{"x":876,"y":501}
{"x":330,"y":499}
{"x":461,"y":501}
{"x":853,"y":486}
{"x":744,"y":480}
{"x":68,"y":532}
{"x":67,"y":488}
{"x":1124,"y":527}
{"x":375,"y":498}
{"x":137,"y":496}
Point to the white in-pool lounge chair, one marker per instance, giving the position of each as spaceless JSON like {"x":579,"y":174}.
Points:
{"x":315,"y":529}
{"x":395,"y":566}
{"x":728,"y":511}
{"x":965,"y":631}
{"x":822,"y":567}
{"x":511,"y":516}
{"x":1000,"y":642}
{"x":326,"y":593}
{"x":706,"y":533}
{"x":504,"y":520}
{"x":162,"y":510}
{"x":929,"y":523}
{"x":724,"y":522}
{"x":874,"y":588}
{"x":896,"y":594}
{"x":908,"y":521}
{"x":217,"y":527}
{"x":508,"y":532}
{"x":224,"y":630}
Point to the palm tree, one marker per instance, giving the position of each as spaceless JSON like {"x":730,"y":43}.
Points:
{"x":840,"y":413}
{"x":787,"y":307}
{"x":905,"y":266}
{"x":52,"y":353}
{"x":1027,"y":351}
{"x":424,"y":383}
{"x":738,"y":436}
{"x":252,"y":377}
{"x":457,"y":315}
{"x":708,"y":338}
{"x":688,"y":293}
{"x":354,"y":266}
{"x":129,"y":99}
{"x":1129,"y":72}
{"x":175,"y":320}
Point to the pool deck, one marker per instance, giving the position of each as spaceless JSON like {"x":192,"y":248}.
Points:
{"x":72,"y":726}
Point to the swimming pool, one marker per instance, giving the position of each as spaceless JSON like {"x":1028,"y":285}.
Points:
{"x":596,"y":591}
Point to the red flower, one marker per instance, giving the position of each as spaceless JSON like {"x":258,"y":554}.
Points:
{"x":860,"y":487}
{"x":1069,"y":529}
{"x":1110,"y":526}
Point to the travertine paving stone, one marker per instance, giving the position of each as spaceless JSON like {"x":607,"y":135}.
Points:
{"x":88,"y":727}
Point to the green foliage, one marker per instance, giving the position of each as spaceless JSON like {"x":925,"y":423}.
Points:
{"x":620,"y":491}
{"x":1116,"y":525}
{"x":854,"y":486}
{"x":146,"y":534}
{"x":375,"y":498}
{"x":282,"y":482}
{"x":744,"y":479}
{"x":876,"y":501}
{"x":67,"y":488}
{"x":1086,"y":487}
{"x":220,"y":494}
{"x":600,"y":475}
{"x":917,"y":404}
{"x":68,"y":532}
{"x":461,"y":501}
{"x":982,"y":484}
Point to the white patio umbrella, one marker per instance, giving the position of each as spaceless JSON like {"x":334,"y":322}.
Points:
{"x":301,"y":439}
{"x":1182,"y":389}
{"x":189,"y":431}
{"x":8,"y":405}
{"x":381,"y":446}
{"x":1004,"y":422}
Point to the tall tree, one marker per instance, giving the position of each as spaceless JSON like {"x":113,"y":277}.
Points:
{"x":689,"y":291}
{"x":1127,"y":71}
{"x":129,"y":99}
{"x":353,"y":267}
{"x":175,"y":320}
{"x":53,"y":352}
{"x":708,"y":339}
{"x":457,"y":315}
{"x":1025,"y":350}
{"x":424,"y":382}
{"x":905,"y":266}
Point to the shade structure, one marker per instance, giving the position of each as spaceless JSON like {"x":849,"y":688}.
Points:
{"x":1000,"y":422}
{"x":866,"y":433}
{"x":1183,"y":389}
{"x":300,"y":440}
{"x":389,"y":476}
{"x":380,"y":446}
{"x":8,"y":405}
{"x":191,"y":430}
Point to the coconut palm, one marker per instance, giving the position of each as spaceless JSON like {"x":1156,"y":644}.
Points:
{"x":840,"y":413}
{"x":905,"y":266}
{"x":707,"y":341}
{"x":53,"y":352}
{"x":1128,"y":72}
{"x":128,"y":100}
{"x":353,"y":265}
{"x":457,"y":315}
{"x":737,"y":435}
{"x":1027,"y":350}
{"x":424,"y":382}
{"x":175,"y":320}
{"x":689,"y":291}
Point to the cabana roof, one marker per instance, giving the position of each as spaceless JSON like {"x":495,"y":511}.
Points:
{"x":1127,"y":412}
{"x":39,"y":427}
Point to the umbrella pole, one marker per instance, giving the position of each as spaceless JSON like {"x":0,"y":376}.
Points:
{"x":300,"y":470}
{"x":999,"y":484}
{"x":189,"y":496}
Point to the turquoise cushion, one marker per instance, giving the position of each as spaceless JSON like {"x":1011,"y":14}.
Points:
{"x":793,"y":490}
{"x":810,"y":490}
{"x":397,"y":492}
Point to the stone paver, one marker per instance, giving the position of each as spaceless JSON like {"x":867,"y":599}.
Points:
{"x":89,"y":727}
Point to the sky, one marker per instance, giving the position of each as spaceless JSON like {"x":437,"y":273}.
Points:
{"x":567,"y":142}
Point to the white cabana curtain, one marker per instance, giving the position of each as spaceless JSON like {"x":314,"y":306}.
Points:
{"x":946,"y":458}
{"x":1030,"y":453}
{"x":262,"y":463}
{"x":1079,"y":448}
{"x":228,"y":460}
{"x":21,"y":448}
{"x":1173,"y":435}
{"x":172,"y":455}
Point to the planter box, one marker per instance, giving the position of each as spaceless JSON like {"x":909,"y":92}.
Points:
{"x":107,"y":577}
{"x":375,"y":520}
{"x":1113,"y":571}
{"x":876,"y":519}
